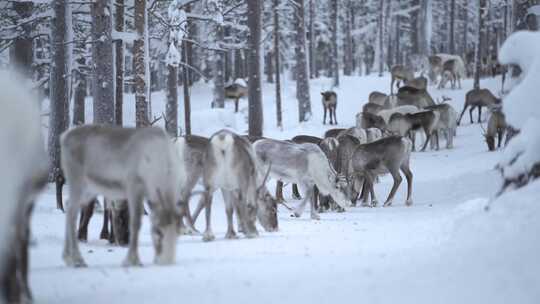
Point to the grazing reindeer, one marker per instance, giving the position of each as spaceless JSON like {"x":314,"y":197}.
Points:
{"x":479,"y":98}
{"x":191,"y":151}
{"x":329,"y":101}
{"x":235,"y":91}
{"x":23,"y":176}
{"x":300,"y":139}
{"x":304,"y":164}
{"x":437,"y":64}
{"x":451,"y":72}
{"x":123,"y":164}
{"x":231,"y":165}
{"x":333,"y":132}
{"x":446,"y":124}
{"x":372,"y":108}
{"x":389,"y":154}
{"x":386,"y":114}
{"x":400,"y":73}
{"x":415,"y":97}
{"x":419,"y":83}
{"x":496,"y":127}
{"x":435,"y":68}
{"x":377,"y":97}
{"x":330,"y":147}
{"x":366,"y":120}
{"x":403,"y":124}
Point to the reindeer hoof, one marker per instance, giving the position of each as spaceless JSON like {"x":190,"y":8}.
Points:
{"x":132,"y":261}
{"x":252,"y":235}
{"x":296,"y":214}
{"x":408,"y":203}
{"x":387,"y":204}
{"x":374,"y":204}
{"x":315,"y":217}
{"x":208,"y":237}
{"x":76,"y":262}
{"x":231,"y":235}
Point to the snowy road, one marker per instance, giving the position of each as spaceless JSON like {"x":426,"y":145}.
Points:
{"x":443,"y":249}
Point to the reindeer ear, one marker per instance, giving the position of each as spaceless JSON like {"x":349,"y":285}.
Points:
{"x":322,"y":93}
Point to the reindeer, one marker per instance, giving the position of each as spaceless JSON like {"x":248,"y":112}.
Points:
{"x":329,"y":146}
{"x":412,"y":96}
{"x":123,"y":164}
{"x":329,"y":101}
{"x":435,"y":68}
{"x":437,"y":64}
{"x":377,"y":97}
{"x":387,"y":155}
{"x":304,"y":164}
{"x":419,"y":83}
{"x":333,"y":133}
{"x":372,"y":108}
{"x":446,"y":124}
{"x":479,"y":98}
{"x":23,"y":176}
{"x":235,"y":91}
{"x":400,"y":73}
{"x":366,"y":120}
{"x":230,"y":164}
{"x":453,"y":73}
{"x":407,"y":109}
{"x":402,"y":124}
{"x":496,"y":127}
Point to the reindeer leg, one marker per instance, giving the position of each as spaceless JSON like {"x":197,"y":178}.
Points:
{"x":428,"y":138}
{"x":296,"y":192}
{"x":279,"y":191}
{"x":392,"y":85}
{"x":324,"y":116}
{"x":104,"y":234}
{"x":307,"y":195}
{"x":313,"y":208}
{"x":208,"y":234}
{"x":135,"y":202}
{"x":86,"y":215}
{"x":409,"y":176}
{"x":374,"y":201}
{"x":200,"y":206}
{"x":479,"y":114}
{"x":365,"y":193}
{"x":59,"y":181}
{"x":470,"y":113}
{"x":500,"y":138}
{"x":335,"y":117}
{"x":229,"y":209}
{"x":460,"y":116}
{"x":397,"y":181}
{"x":71,"y":254}
{"x":236,"y":105}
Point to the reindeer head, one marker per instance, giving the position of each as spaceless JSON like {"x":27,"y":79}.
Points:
{"x":342,"y":190}
{"x":164,"y":218}
{"x":490,"y":139}
{"x":267,"y":206}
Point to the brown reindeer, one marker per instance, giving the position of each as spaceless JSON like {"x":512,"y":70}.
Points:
{"x":400,"y":73}
{"x":329,"y":101}
{"x":496,"y":127}
{"x":479,"y":98}
{"x":235,"y":91}
{"x":419,"y":83}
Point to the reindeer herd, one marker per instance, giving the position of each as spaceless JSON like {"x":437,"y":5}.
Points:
{"x":130,"y":166}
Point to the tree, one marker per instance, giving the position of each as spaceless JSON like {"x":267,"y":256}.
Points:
{"x":348,"y":64}
{"x":119,"y":62}
{"x":140,"y":62}
{"x":482,"y":12}
{"x":334,"y":26}
{"x":302,"y":83}
{"x":381,"y":38}
{"x":277,"y":54}
{"x":452,"y":26}
{"x":59,"y":86}
{"x":255,"y":114}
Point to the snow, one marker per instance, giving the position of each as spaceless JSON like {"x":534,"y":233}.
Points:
{"x":444,"y":249}
{"x":521,"y":104}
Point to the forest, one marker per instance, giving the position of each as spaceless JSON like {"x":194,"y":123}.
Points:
{"x":303,"y":114}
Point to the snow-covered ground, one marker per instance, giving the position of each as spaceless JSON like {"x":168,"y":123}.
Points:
{"x":443,"y":249}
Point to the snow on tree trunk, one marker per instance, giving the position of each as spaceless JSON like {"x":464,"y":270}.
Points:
{"x":276,"y":61}
{"x":171,"y":108}
{"x":119,"y":62}
{"x":255,"y":114}
{"x":301,"y":70}
{"x":334,"y":26}
{"x":139,"y":57}
{"x":102,"y":57}
{"x":59,"y":81}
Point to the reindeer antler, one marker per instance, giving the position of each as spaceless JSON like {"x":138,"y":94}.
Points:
{"x":265,"y":179}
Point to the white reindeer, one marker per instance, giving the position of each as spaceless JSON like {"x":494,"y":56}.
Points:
{"x":123,"y":164}
{"x":303,"y":164}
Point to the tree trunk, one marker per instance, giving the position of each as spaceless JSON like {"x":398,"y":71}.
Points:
{"x":219,"y":80}
{"x":255,"y":114}
{"x":398,"y":36}
{"x":238,"y":65}
{"x":119,"y":63}
{"x":312,"y":67}
{"x":22,"y":52}
{"x":301,"y":70}
{"x":348,"y":56}
{"x":465,"y":27}
{"x":186,"y":76}
{"x":425,"y":22}
{"x":482,"y":10}
{"x":452,"y":26}
{"x":276,"y":60}
{"x":171,"y":108}
{"x":80,"y":92}
{"x":139,"y":57}
{"x":334,"y":27}
{"x":414,"y":24}
{"x":59,"y":82}
{"x":269,"y":67}
{"x":381,"y":38}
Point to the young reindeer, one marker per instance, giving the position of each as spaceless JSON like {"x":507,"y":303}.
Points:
{"x":479,"y":98}
{"x":496,"y":127}
{"x":446,"y":124}
{"x":123,"y":164}
{"x":329,"y":101}
{"x":231,"y":165}
{"x":304,"y":164}
{"x":400,"y":73}
{"x":235,"y":91}
{"x":387,"y":155}
{"x":403,"y":124}
{"x":453,"y":72}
